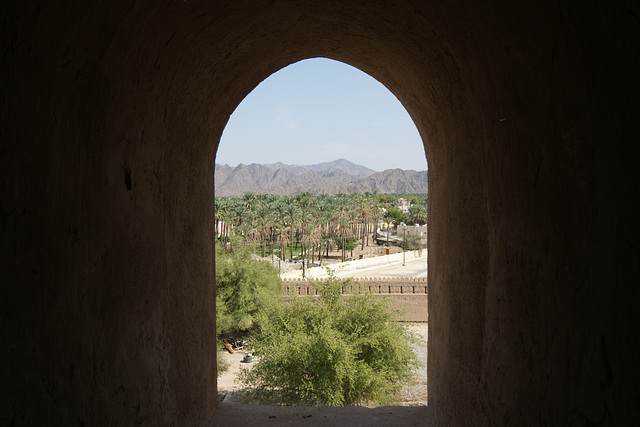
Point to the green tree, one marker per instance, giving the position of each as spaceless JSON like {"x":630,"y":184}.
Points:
{"x":418,"y":214}
{"x":337,"y":350}
{"x":345,"y":234}
{"x":387,"y":199}
{"x":414,"y":242}
{"x":280,"y":221}
{"x":291,"y":218}
{"x":244,"y":287}
{"x":264,"y":223}
{"x":348,"y":244}
{"x":223,"y":217}
{"x":394,"y":215}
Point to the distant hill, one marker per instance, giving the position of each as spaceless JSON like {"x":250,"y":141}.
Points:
{"x":325,"y":168}
{"x":339,"y":176}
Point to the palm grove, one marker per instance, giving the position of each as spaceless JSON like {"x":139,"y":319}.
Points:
{"x":332,"y":350}
{"x":314,"y":225}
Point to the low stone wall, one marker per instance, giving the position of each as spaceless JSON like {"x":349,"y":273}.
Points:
{"x":409,"y":295}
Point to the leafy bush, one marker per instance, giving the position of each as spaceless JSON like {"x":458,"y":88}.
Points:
{"x":331,"y":350}
{"x":244,"y":287}
{"x":349,"y":244}
{"x":415,"y":242}
{"x":394,"y":215}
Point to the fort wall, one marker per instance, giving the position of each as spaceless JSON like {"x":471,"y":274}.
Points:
{"x":409,"y":295}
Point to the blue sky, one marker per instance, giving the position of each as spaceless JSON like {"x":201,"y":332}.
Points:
{"x":319,"y":110}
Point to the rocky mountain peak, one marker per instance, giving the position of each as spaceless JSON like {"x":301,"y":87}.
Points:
{"x":339,"y":176}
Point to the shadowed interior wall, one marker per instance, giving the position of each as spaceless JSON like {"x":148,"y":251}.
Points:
{"x":110,"y":120}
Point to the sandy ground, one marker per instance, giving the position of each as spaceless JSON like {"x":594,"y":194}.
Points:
{"x":226,"y":381}
{"x":416,"y":394}
{"x":410,"y":396}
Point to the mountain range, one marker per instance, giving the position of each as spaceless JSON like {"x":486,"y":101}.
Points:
{"x":339,"y":176}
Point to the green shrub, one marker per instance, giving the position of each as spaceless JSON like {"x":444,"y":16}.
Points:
{"x":414,"y":242}
{"x":244,"y":287}
{"x":349,"y":244}
{"x":330,"y":350}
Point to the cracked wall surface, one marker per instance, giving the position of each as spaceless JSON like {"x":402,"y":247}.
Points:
{"x":110,"y":119}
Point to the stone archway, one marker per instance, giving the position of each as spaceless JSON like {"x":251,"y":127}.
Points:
{"x":109,"y":121}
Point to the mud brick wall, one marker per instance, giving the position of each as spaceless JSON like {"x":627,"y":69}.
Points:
{"x":409,"y":295}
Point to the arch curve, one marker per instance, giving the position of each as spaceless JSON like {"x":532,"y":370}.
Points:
{"x":110,"y":119}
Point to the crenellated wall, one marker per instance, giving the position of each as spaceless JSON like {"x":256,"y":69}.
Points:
{"x":380,"y":285}
{"x":408,"y":295}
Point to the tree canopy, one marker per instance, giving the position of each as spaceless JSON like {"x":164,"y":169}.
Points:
{"x":244,"y":287}
{"x":332,"y":350}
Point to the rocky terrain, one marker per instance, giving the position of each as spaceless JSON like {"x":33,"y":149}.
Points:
{"x":340,"y":176}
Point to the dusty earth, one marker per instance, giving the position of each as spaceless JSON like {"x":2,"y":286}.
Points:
{"x":415,"y":395}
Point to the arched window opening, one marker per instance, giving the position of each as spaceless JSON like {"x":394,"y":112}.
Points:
{"x":320,"y":166}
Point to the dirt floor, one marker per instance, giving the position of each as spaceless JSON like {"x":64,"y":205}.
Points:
{"x":415,"y":395}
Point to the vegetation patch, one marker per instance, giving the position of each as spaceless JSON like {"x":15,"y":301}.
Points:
{"x":331,"y":350}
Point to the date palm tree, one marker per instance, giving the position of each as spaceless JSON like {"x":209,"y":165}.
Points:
{"x":264,"y":220}
{"x":309,"y":240}
{"x":291,"y":215}
{"x":222,"y":216}
{"x":418,"y":214}
{"x":367,"y":209}
{"x":345,"y":232}
{"x":280,"y":228}
{"x":283,"y":241}
{"x":326,"y":211}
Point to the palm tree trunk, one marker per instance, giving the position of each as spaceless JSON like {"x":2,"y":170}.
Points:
{"x":291,"y":244}
{"x":368,"y":233}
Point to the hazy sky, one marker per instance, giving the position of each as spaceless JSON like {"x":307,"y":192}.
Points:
{"x":319,"y":110}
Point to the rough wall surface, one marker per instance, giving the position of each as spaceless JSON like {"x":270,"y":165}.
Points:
{"x":110,"y":119}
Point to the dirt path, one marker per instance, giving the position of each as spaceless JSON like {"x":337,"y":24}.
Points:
{"x":226,"y":381}
{"x":416,"y":395}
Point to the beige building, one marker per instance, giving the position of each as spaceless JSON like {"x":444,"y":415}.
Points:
{"x":412,"y":230}
{"x":404,"y":205}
